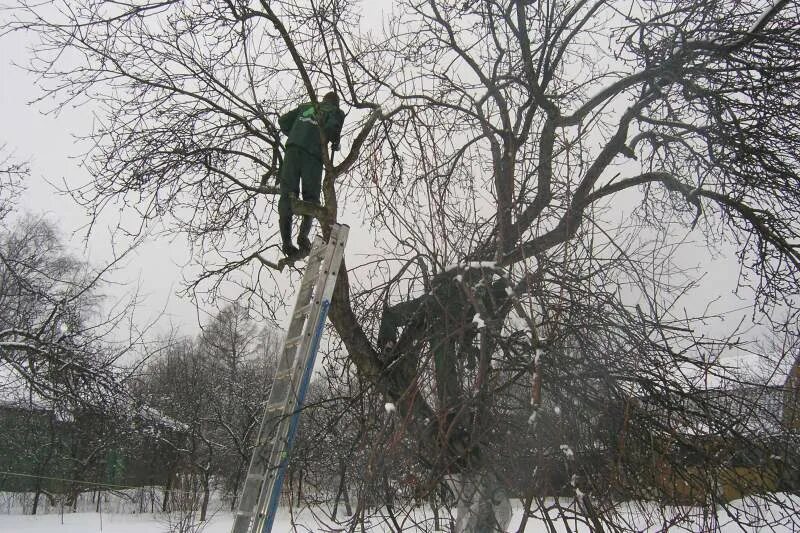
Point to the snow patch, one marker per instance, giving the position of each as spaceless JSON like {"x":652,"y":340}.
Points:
{"x":152,"y":415}
{"x":567,"y":451}
{"x":478,"y":321}
{"x":776,"y":512}
{"x":678,"y":45}
{"x":482,"y":264}
{"x":389,"y":407}
{"x":471,"y":264}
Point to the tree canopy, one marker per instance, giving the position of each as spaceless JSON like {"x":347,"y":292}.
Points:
{"x":572,"y":149}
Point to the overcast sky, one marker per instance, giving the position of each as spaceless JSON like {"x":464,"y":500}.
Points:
{"x":47,"y":142}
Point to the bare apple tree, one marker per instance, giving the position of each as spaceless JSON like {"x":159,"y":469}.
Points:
{"x":536,"y":175}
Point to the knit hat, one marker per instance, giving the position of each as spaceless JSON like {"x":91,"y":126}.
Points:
{"x":331,"y":98}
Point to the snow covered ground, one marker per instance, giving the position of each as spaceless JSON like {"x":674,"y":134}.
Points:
{"x":761,"y":516}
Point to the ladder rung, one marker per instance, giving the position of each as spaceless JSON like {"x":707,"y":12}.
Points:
{"x":294,"y":341}
{"x":320,"y":253}
{"x":304,"y":299}
{"x":263,"y":441}
{"x":272,"y":449}
{"x":305,"y":291}
{"x":275,"y":407}
{"x":284,"y":374}
{"x":304,"y":309}
{"x":287,"y":373}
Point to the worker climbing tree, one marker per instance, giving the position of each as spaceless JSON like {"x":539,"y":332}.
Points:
{"x":302,"y":164}
{"x":592,"y":152}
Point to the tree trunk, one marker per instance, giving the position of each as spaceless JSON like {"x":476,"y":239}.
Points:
{"x":341,"y":491}
{"x":167,"y":490}
{"x":36,"y":497}
{"x":526,"y":506}
{"x":348,"y":510}
{"x":482,"y":504}
{"x":206,"y":495}
{"x":300,"y":485}
{"x":236,"y":483}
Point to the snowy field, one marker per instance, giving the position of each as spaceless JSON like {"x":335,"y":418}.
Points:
{"x":760,"y":515}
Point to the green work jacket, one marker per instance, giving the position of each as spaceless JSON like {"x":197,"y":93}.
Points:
{"x":300,"y":125}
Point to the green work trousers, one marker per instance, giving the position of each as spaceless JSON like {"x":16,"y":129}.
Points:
{"x":299,"y":168}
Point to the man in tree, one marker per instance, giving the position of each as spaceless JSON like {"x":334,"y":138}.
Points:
{"x":506,"y":133}
{"x":303,"y":162}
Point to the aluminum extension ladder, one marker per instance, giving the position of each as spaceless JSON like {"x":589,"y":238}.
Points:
{"x":261,"y":493}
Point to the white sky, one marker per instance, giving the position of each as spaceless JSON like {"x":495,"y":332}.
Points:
{"x":47,"y":143}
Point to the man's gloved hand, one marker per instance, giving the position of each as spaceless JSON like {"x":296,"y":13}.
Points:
{"x":335,"y":147}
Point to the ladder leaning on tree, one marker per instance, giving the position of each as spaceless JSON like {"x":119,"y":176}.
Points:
{"x":261,"y":493}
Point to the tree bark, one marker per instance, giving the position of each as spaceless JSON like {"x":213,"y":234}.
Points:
{"x":167,"y":490}
{"x":206,"y":495}
{"x":482,"y":504}
{"x":341,"y":491}
{"x":36,"y":496}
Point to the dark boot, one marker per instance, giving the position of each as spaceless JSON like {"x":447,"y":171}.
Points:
{"x":302,"y":236}
{"x":285,"y":227}
{"x":290,"y":251}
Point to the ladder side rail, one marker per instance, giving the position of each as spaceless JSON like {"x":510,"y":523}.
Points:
{"x":307,"y":347}
{"x":306,"y":287}
{"x":325,"y":286}
{"x":259,"y":463}
{"x":278,"y":431}
{"x":336,"y":262}
{"x":280,"y":450}
{"x":276,"y":409}
{"x":254,"y":479}
{"x":292,"y":355}
{"x":298,"y":326}
{"x":289,"y":354}
{"x":275,"y":495}
{"x":315,"y":279}
{"x":309,"y":324}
